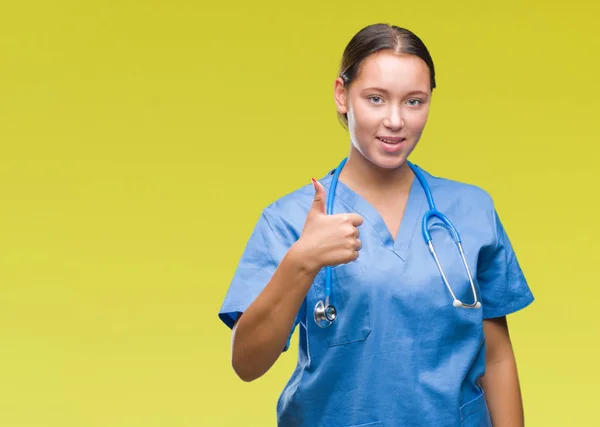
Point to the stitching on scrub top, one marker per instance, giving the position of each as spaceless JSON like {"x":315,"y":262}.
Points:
{"x":264,"y":241}
{"x":267,"y":214}
{"x":419,"y":217}
{"x":467,"y":405}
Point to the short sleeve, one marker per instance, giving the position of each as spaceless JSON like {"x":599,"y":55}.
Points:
{"x":266,"y":247}
{"x":504,"y":289}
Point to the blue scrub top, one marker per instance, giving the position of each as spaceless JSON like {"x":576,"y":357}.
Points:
{"x":399,"y":353}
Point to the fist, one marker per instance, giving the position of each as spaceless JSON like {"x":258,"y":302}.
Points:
{"x":329,"y":239}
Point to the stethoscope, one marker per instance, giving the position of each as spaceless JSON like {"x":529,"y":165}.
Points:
{"x":325,"y":313}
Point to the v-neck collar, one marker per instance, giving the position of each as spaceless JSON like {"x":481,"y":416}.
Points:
{"x":411,"y":220}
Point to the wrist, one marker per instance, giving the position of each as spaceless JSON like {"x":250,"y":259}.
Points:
{"x":302,"y":257}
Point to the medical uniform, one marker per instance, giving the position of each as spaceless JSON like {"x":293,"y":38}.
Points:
{"x":399,"y":353}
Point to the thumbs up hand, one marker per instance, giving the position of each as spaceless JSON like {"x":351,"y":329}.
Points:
{"x":329,"y":239}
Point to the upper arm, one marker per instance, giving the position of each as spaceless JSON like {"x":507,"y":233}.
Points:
{"x":497,"y":337}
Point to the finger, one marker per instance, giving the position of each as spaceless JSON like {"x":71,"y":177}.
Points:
{"x":319,"y":200}
{"x":356,"y":233}
{"x":355,"y":219}
{"x":358,"y":245}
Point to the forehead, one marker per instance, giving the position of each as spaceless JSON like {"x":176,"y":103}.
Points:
{"x":393,"y":72}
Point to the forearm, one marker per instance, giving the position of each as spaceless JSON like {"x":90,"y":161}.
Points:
{"x":503,"y":394}
{"x":261,"y":333}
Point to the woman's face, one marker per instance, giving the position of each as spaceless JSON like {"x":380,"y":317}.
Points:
{"x":387,"y":106}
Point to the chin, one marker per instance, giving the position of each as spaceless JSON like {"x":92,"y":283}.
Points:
{"x":389,"y":162}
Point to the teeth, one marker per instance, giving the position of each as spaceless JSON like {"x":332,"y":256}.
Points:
{"x":388,"y":141}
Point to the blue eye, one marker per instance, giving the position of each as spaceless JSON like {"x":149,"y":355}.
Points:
{"x":373,"y":97}
{"x":414,"y":102}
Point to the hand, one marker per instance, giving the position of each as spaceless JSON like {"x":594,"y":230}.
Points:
{"x":329,"y":239}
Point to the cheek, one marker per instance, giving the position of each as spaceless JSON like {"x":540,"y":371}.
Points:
{"x":419,"y":120}
{"x":365,"y":118}
{"x":363,"y":123}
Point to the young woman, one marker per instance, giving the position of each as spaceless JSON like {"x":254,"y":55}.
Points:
{"x":393,"y":331}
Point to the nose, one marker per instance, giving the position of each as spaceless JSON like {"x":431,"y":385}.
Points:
{"x":394,"y":119}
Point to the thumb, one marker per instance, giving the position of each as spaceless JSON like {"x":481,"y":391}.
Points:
{"x":319,"y":200}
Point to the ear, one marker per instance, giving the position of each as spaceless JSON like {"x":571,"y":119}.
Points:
{"x":340,"y":95}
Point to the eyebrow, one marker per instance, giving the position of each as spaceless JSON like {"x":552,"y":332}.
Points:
{"x":378,"y":89}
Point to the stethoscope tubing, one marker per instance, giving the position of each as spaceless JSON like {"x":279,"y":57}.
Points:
{"x":325,"y":313}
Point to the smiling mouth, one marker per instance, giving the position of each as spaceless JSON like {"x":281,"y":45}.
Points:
{"x":389,"y":140}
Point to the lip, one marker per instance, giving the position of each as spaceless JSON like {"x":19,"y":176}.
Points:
{"x":391,"y":147}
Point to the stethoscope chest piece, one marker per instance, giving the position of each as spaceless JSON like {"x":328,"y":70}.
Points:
{"x":325,"y":314}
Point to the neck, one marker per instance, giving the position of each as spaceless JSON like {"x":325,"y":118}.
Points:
{"x":363,"y":176}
